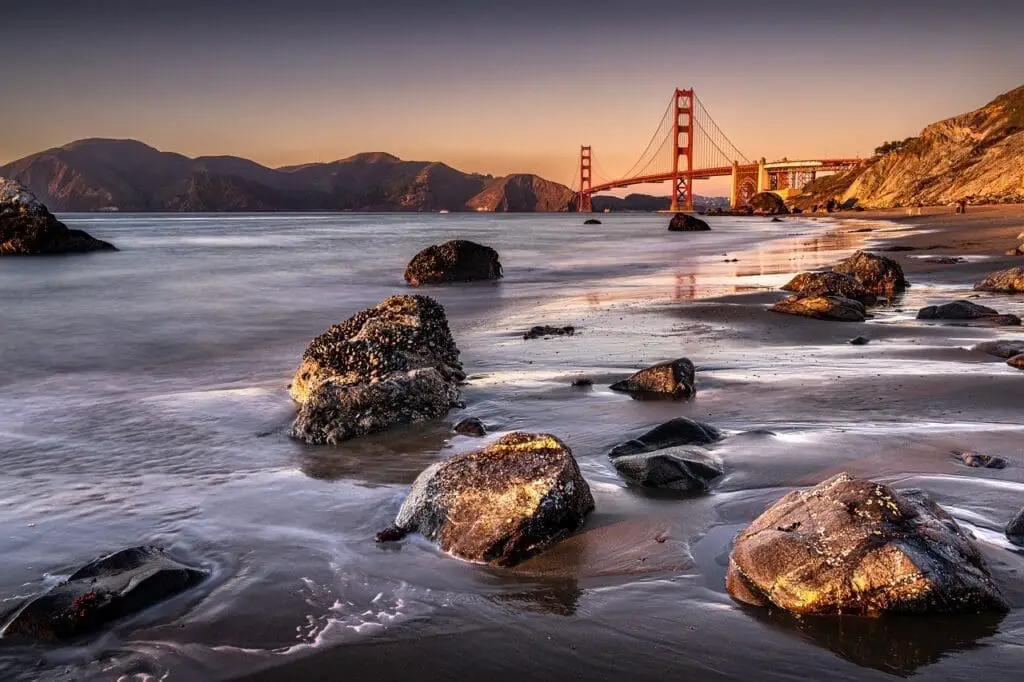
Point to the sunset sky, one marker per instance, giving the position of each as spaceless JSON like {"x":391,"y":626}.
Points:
{"x":495,"y":87}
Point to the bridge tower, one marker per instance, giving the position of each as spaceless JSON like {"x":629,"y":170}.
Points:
{"x":584,"y":204}
{"x":682,"y":152}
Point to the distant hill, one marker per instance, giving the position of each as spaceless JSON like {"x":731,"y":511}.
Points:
{"x":127,"y":175}
{"x":647,"y":202}
{"x":979,"y":154}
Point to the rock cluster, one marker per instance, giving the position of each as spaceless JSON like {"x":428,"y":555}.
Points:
{"x":843,"y":293}
{"x":674,"y":378}
{"x":458,"y":260}
{"x":850,"y":546}
{"x":684,"y":222}
{"x":391,"y":364}
{"x":499,"y":505}
{"x":102,"y":591}
{"x":27,"y":228}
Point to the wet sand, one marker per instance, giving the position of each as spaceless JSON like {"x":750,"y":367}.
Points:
{"x":898,"y":406}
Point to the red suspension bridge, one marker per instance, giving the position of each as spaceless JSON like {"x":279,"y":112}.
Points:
{"x":687,"y":146}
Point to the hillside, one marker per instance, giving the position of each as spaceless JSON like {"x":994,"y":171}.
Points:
{"x":127,"y":175}
{"x":978,"y":156}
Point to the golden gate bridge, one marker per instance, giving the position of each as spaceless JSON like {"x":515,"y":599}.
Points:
{"x":688,"y":146}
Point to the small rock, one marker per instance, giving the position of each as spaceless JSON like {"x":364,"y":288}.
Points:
{"x":683,"y":222}
{"x":471,"y":426}
{"x":674,"y":378}
{"x":776,"y":220}
{"x":860,"y":341}
{"x":592,"y":221}
{"x":767,"y":203}
{"x":672,"y":468}
{"x":960,"y":310}
{"x":898,"y":248}
{"x":543,"y":331}
{"x":498,"y":505}
{"x":1003,"y":348}
{"x":1015,"y":528}
{"x":673,"y":433}
{"x":102,"y":591}
{"x":582,"y":382}
{"x":980,"y":461}
{"x":822,"y":308}
{"x":1016,"y":251}
{"x":881,"y":275}
{"x":1009,"y":281}
{"x":1017,"y":361}
{"x":830,"y":284}
{"x":945,"y":260}
{"x":458,"y":260}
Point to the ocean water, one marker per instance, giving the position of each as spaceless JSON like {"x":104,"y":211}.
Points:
{"x":143,"y":401}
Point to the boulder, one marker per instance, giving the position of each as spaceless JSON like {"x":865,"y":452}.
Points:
{"x":498,"y":505}
{"x":391,"y":364}
{"x":674,"y":378}
{"x":582,"y":382}
{"x":1017,"y":361}
{"x":965,"y":310}
{"x":27,"y":228}
{"x":541,"y":331}
{"x":767,"y":203}
{"x":471,"y":426}
{"x":1009,"y":281}
{"x":1003,"y":348}
{"x":881,"y":275}
{"x":1016,"y":251}
{"x":684,"y":222}
{"x":850,"y":546}
{"x":592,"y":221}
{"x":822,"y":308}
{"x":979,"y":461}
{"x":1015,"y":528}
{"x":458,"y":260}
{"x":830,"y":284}
{"x":860,"y":341}
{"x":673,"y":433}
{"x":102,"y":591}
{"x":673,"y":468}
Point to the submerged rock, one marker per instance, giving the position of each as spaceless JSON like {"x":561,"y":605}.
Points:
{"x":1009,"y":281}
{"x":1003,"y":348}
{"x":499,"y":505}
{"x":822,"y":308}
{"x":676,"y":468}
{"x":592,"y":221}
{"x":684,"y":222}
{"x":767,"y":203}
{"x":541,"y":331}
{"x":458,"y":260}
{"x":1017,"y":361}
{"x":27,"y":228}
{"x":102,"y":591}
{"x":674,"y":378}
{"x":394,"y":363}
{"x":860,"y":341}
{"x":980,"y":461}
{"x":850,"y":546}
{"x":471,"y":426}
{"x":830,"y":284}
{"x":673,"y":433}
{"x":966,"y":310}
{"x":582,"y":382}
{"x":879,"y":274}
{"x":945,"y":260}
{"x":1015,"y":528}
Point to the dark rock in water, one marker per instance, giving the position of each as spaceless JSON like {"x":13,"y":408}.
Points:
{"x":674,"y":378}
{"x":592,"y":221}
{"x":980,"y":461}
{"x":767,"y":203}
{"x":27,"y":228}
{"x":1003,"y":348}
{"x":1009,"y":281}
{"x":673,"y":433}
{"x":458,"y":260}
{"x":391,"y":364}
{"x":1017,"y":361}
{"x":830,"y":284}
{"x":582,"y":382}
{"x":470,"y":426}
{"x":101,"y":592}
{"x":1015,"y":528}
{"x":544,"y":330}
{"x":499,"y":505}
{"x":673,"y":468}
{"x":796,"y":211}
{"x":850,"y":546}
{"x":834,"y":308}
{"x":945,"y":260}
{"x":776,"y":220}
{"x":881,"y":275}
{"x":684,"y":222}
{"x":899,"y":247}
{"x":860,"y":341}
{"x":967,"y":310}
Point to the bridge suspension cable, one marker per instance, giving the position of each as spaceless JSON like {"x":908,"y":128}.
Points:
{"x":661,"y":131}
{"x":713,"y":138}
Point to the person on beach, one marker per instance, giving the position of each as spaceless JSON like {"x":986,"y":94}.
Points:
{"x":961,"y":206}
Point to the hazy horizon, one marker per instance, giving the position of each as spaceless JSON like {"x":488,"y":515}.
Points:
{"x":496,"y":90}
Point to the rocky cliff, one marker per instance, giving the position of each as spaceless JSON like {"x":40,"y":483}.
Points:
{"x":978,"y":156}
{"x":523,"y":193}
